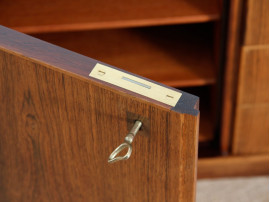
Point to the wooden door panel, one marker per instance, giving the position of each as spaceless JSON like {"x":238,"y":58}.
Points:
{"x":253,"y":83}
{"x":257,"y":23}
{"x":251,"y":128}
{"x":58,"y":126}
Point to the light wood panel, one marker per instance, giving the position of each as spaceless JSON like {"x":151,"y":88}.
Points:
{"x":178,"y":56}
{"x":253,"y":84}
{"x":58,"y":128}
{"x":248,"y":30}
{"x":251,"y":130}
{"x":233,"y":166}
{"x":257,"y":22}
{"x":35,"y":16}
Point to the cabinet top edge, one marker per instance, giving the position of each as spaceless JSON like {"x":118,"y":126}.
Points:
{"x":78,"y":65}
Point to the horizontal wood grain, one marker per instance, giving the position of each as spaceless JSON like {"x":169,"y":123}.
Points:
{"x":257,"y":23}
{"x":178,"y":56}
{"x":48,"y":16}
{"x":233,"y":166}
{"x":58,"y":128}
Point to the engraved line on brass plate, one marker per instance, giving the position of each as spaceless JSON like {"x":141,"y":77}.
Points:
{"x":135,"y":84}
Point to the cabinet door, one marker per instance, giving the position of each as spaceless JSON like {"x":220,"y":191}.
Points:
{"x":59,"y":122}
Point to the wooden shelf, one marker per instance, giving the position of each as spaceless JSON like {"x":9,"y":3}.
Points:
{"x":178,"y":56}
{"x":36,"y":16}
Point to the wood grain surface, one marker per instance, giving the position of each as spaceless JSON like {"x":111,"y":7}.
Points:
{"x":251,"y":127}
{"x":232,"y":166}
{"x":248,"y":31}
{"x":251,"y":130}
{"x":35,"y":16}
{"x":231,"y":73}
{"x":253,"y":83}
{"x":257,"y":22}
{"x":58,"y":128}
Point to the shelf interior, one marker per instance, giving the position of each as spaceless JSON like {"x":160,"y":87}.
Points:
{"x":179,"y":56}
{"x":36,"y":16}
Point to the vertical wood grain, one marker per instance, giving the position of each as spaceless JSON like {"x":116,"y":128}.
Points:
{"x":57,"y":131}
{"x":246,"y":77}
{"x":251,"y":127}
{"x":253,"y":75}
{"x":251,"y":131}
{"x":230,"y":74}
{"x":257,"y":22}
